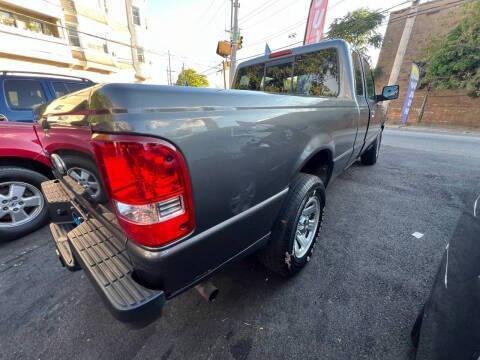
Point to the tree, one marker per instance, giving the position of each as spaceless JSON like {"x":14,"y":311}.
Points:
{"x":453,"y":62}
{"x":189,"y":77}
{"x":359,"y":28}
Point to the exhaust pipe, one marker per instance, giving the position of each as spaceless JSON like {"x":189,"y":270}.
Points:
{"x":207,"y":290}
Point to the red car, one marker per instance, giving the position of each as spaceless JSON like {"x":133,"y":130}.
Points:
{"x":24,"y":165}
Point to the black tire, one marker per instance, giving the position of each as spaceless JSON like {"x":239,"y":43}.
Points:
{"x":33,"y":178}
{"x":72,"y":161}
{"x":279,"y":255}
{"x":370,"y":156}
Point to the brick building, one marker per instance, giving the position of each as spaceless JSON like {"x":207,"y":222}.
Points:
{"x":445,"y":107}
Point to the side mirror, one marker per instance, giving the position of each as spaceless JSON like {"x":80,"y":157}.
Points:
{"x":3,"y":118}
{"x":389,"y":92}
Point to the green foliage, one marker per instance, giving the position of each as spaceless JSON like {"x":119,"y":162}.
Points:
{"x":359,"y":28}
{"x":453,"y":62}
{"x":189,"y":77}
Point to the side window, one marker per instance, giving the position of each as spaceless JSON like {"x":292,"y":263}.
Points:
{"x":60,"y":89}
{"x":249,"y":78}
{"x":64,"y":88}
{"x":73,"y":35}
{"x":357,"y":68}
{"x":75,"y":86}
{"x":24,"y":94}
{"x":369,"y":80}
{"x":278,"y":78}
{"x":316,"y":74}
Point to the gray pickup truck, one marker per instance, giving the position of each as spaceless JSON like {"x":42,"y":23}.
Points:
{"x":198,"y":178}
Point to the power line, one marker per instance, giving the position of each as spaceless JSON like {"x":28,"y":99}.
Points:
{"x":429,"y":10}
{"x":276,"y":34}
{"x":214,"y":14}
{"x":257,"y":10}
{"x":276,"y":12}
{"x":208,"y":9}
{"x":396,"y":19}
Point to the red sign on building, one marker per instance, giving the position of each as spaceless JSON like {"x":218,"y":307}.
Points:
{"x":315,"y":22}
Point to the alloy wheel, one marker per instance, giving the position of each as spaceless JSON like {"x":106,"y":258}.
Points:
{"x":20,"y":203}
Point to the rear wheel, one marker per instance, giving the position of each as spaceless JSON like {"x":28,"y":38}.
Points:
{"x":85,"y":173}
{"x":296,"y":230}
{"x":22,"y":205}
{"x":370,"y":156}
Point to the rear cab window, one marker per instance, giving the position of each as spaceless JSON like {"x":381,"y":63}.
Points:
{"x":250,"y":78}
{"x":311,"y":74}
{"x":24,"y":94}
{"x":278,"y":77}
{"x":316,"y":73}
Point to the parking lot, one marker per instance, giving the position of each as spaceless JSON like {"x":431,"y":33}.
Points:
{"x":357,"y":299}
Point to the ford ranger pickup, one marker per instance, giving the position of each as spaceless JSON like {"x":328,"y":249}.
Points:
{"x":198,"y":178}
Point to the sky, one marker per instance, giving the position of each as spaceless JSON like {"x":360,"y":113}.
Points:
{"x":190,"y":30}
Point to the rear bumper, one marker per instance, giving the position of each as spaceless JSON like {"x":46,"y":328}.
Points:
{"x":184,"y":264}
{"x":115,"y":264}
{"x":102,"y":256}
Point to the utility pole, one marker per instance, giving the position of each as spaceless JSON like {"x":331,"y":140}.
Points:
{"x":224,"y":65}
{"x":234,"y":40}
{"x":169,"y":70}
{"x":402,"y":47}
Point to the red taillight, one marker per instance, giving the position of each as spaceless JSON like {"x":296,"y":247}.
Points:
{"x":149,"y":187}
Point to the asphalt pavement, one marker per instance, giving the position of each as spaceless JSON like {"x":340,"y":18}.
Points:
{"x":357,"y":299}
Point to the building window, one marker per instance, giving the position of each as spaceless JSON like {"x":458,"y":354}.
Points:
{"x":136,"y":15}
{"x":105,"y":47}
{"x":73,"y":35}
{"x":140,"y":55}
{"x":7,"y":19}
{"x":27,"y":23}
{"x":103,"y":4}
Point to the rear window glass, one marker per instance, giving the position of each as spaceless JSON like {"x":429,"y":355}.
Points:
{"x":311,"y":74}
{"x":24,"y":94}
{"x":249,"y":78}
{"x":278,"y":78}
{"x":316,"y":74}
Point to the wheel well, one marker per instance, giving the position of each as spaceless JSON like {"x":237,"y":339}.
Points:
{"x":27,"y":164}
{"x":321,"y":165}
{"x":75,"y":153}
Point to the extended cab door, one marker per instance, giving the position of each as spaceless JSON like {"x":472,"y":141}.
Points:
{"x":375,"y":119}
{"x":363,"y":107}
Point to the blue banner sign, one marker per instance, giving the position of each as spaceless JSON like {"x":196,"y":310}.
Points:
{"x":412,"y":86}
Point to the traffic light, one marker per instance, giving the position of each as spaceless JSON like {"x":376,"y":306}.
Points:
{"x":240,"y":42}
